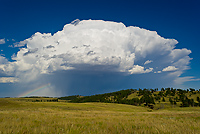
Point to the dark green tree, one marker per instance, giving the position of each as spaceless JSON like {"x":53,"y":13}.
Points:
{"x":163,"y":99}
{"x":198,"y":99}
{"x":171,"y":101}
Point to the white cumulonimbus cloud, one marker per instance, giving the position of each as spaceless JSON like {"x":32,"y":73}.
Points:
{"x":99,"y":46}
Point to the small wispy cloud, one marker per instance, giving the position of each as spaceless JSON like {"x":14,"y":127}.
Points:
{"x":2,"y":41}
{"x":181,"y":80}
{"x":147,"y":62}
{"x":139,"y":70}
{"x":8,"y":79}
{"x":170,"y":68}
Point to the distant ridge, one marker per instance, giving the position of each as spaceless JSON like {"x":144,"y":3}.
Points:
{"x":151,"y":98}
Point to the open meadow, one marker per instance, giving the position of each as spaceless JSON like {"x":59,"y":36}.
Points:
{"x":22,"y":116}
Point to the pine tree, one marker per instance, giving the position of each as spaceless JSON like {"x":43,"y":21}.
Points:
{"x":163,"y":99}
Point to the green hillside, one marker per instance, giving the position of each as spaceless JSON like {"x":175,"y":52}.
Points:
{"x":152,"y":98}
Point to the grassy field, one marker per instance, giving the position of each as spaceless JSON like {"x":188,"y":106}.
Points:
{"x":22,"y":116}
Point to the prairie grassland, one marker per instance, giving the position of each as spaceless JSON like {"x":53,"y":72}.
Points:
{"x":74,"y":118}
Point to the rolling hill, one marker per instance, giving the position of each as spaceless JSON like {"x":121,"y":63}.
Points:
{"x":152,"y":98}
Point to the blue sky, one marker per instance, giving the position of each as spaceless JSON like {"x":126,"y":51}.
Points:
{"x":171,"y":19}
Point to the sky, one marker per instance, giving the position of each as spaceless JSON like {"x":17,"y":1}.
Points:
{"x":62,"y":48}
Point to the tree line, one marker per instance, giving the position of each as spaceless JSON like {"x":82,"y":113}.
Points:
{"x":147,"y":97}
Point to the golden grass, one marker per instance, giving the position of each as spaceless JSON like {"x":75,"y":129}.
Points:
{"x":60,"y":117}
{"x":133,"y":95}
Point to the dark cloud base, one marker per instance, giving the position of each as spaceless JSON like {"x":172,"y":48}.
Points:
{"x":73,"y":82}
{"x":93,"y":82}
